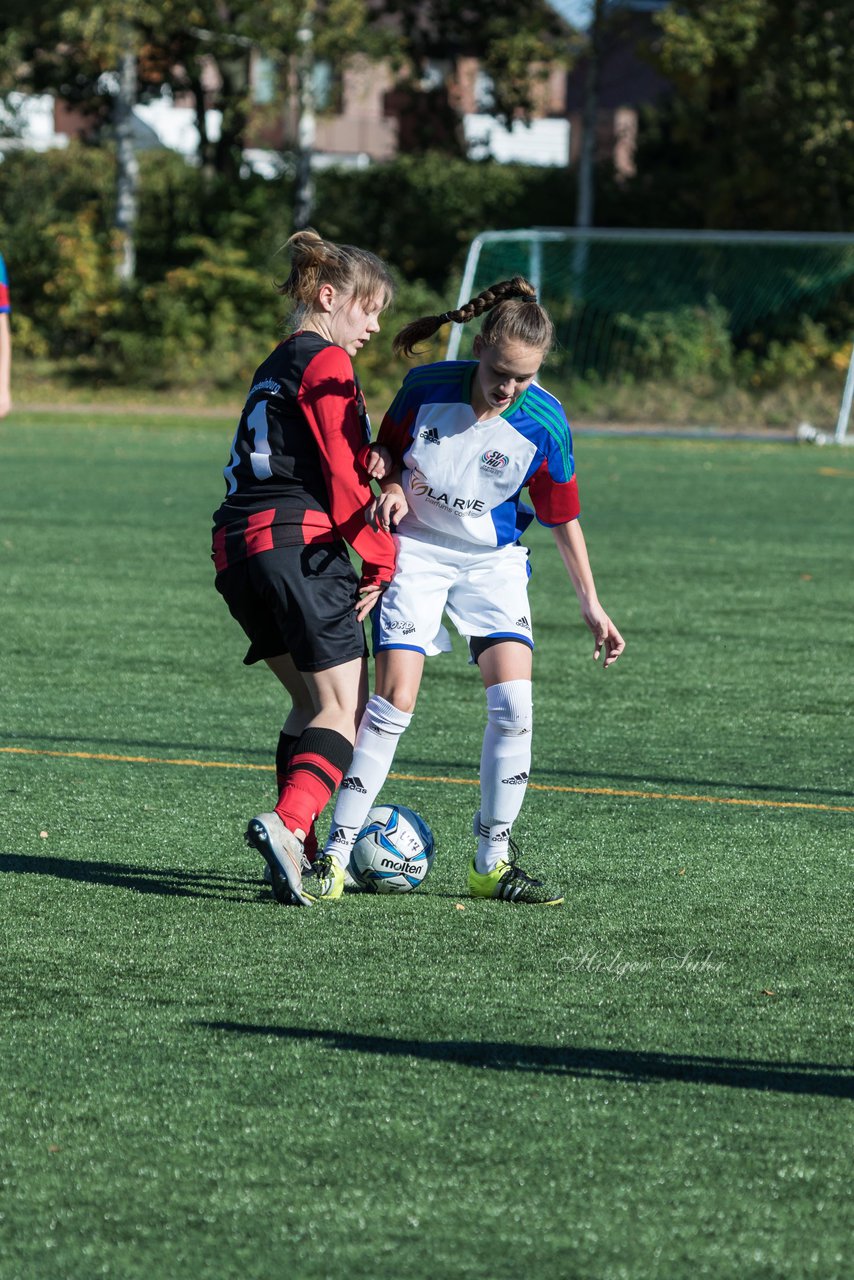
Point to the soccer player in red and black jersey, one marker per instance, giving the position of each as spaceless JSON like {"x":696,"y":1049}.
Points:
{"x":297,"y":485}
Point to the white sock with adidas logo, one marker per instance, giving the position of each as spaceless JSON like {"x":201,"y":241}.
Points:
{"x":505,"y":763}
{"x":376,"y":742}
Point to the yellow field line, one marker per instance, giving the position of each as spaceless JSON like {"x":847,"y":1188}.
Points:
{"x":103,"y":755}
{"x":640,"y":795}
{"x":456,"y":782}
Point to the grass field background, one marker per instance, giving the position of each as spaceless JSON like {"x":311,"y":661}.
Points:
{"x":650,"y":1082}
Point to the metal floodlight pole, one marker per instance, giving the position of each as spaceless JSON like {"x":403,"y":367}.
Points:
{"x":127,"y":164}
{"x":535,"y":268}
{"x":307,"y":121}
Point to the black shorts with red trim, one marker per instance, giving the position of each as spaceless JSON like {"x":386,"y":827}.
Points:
{"x":299,"y":600}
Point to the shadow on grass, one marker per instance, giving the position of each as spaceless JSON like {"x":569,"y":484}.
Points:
{"x":825,"y":1079}
{"x":166,"y":881}
{"x":556,"y":777}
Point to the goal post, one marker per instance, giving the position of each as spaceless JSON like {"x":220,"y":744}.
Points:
{"x":631,"y":305}
{"x":840,"y":435}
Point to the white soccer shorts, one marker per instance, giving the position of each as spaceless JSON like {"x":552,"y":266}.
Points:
{"x":484,"y":592}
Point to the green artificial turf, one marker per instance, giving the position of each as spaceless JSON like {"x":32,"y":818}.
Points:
{"x":652,"y":1081}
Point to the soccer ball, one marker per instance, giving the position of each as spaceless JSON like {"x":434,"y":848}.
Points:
{"x":393,"y":851}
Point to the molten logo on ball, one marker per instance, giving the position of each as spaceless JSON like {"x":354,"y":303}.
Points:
{"x":393,"y":852}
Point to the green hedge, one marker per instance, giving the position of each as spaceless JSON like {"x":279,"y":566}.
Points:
{"x":204,"y":309}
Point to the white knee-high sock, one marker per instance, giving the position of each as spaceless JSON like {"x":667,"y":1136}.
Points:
{"x":505,"y":763}
{"x":376,"y":742}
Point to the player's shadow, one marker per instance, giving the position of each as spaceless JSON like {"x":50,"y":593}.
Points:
{"x":625,"y":1065}
{"x":167,"y":881}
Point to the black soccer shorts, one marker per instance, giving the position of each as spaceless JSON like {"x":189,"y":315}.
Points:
{"x":297,"y":600}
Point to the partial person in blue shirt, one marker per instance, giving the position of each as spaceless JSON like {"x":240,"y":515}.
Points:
{"x":5,"y":343}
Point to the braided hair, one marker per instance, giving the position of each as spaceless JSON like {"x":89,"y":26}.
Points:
{"x":511,"y":310}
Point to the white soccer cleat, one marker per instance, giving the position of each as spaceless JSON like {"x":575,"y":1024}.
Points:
{"x":283,"y":853}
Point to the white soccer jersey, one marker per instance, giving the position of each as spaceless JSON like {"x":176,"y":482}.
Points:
{"x":463,"y":478}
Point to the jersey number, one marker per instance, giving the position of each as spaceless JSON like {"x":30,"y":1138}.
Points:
{"x":259,"y":458}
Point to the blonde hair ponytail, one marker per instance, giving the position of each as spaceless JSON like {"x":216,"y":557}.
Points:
{"x":315,"y":262}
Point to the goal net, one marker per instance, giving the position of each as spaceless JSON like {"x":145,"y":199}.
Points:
{"x":634,"y":306}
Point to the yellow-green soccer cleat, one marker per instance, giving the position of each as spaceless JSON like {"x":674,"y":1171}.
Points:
{"x":510,"y":883}
{"x":325,"y":881}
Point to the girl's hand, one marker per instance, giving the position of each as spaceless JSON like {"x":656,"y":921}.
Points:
{"x":387,"y":510}
{"x":368,"y":596}
{"x":378,"y":462}
{"x":606,"y":636}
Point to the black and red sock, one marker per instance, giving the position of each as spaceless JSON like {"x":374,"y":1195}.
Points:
{"x":284,"y":751}
{"x":318,"y":762}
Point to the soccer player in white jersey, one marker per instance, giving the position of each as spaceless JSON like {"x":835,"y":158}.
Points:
{"x":466,"y":438}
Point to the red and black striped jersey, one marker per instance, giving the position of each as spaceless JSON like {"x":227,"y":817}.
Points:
{"x":296,"y":473}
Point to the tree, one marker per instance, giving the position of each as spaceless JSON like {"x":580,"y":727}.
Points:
{"x":92,"y":56}
{"x":758,"y":131}
{"x":69,"y":48}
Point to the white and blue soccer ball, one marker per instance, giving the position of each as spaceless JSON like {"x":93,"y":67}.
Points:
{"x":393,"y":852}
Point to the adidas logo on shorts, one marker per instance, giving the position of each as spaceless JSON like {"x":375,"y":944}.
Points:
{"x":353,"y":784}
{"x":430,"y":434}
{"x":523,"y":622}
{"x":518,"y":780}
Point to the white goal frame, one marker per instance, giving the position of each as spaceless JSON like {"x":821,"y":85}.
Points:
{"x":581,"y":236}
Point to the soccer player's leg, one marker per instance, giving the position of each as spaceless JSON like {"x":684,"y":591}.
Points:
{"x":307,"y":759}
{"x":499,"y":629}
{"x":301,"y":712}
{"x":284,"y":754}
{"x":504,"y":768}
{"x":318,"y":764}
{"x":305,"y":597}
{"x":406,"y":627}
{"x":383,"y":723}
{"x":284,"y":751}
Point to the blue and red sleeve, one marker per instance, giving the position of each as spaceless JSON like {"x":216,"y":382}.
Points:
{"x":5,"y":305}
